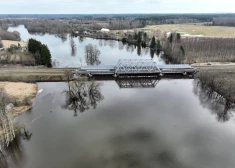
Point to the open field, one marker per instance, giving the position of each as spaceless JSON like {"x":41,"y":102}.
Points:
{"x":191,"y":29}
{"x":22,"y":94}
{"x":8,"y":43}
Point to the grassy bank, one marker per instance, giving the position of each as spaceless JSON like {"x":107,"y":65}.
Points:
{"x":22,"y":94}
{"x":220,"y":79}
{"x":32,"y":74}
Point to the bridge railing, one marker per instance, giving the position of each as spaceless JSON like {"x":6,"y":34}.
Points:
{"x":136,"y":66}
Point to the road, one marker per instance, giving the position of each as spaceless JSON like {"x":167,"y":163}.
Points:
{"x":57,"y":74}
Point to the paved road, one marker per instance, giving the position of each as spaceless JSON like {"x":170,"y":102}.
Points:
{"x":60,"y":71}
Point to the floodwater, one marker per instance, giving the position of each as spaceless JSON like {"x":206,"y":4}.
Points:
{"x":143,"y":123}
{"x":111,"y":51}
{"x":118,"y":124}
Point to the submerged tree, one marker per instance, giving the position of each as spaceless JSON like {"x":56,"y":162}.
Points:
{"x":82,"y":95}
{"x":92,"y":55}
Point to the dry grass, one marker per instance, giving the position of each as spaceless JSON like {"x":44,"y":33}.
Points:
{"x":17,"y":57}
{"x":20,"y":110}
{"x":7,"y":43}
{"x":20,"y":92}
{"x":192,"y":29}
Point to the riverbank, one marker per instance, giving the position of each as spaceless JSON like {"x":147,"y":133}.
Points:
{"x":219,"y":78}
{"x":22,"y":94}
{"x":33,"y":74}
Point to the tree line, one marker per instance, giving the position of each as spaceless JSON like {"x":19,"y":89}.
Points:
{"x":208,"y":49}
{"x":6,"y":35}
{"x":224,"y":21}
{"x":197,"y":49}
{"x":40,"y":52}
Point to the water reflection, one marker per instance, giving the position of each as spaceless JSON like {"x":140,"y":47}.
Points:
{"x":81,"y":39}
{"x":120,"y":45}
{"x":139,"y":50}
{"x":92,"y":54}
{"x":220,"y":106}
{"x":82,"y":95}
{"x":73,"y":47}
{"x":13,"y":153}
{"x":137,"y":82}
{"x":152,"y":52}
{"x":63,"y":36}
{"x":139,"y":147}
{"x":161,"y":127}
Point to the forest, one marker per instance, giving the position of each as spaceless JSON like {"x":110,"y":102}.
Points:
{"x":60,"y":24}
{"x":193,"y":50}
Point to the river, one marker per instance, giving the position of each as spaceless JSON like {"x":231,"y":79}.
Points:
{"x":146,"y":123}
{"x":111,"y":51}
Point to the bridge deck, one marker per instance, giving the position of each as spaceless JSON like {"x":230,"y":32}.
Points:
{"x":112,"y":68}
{"x":136,"y":67}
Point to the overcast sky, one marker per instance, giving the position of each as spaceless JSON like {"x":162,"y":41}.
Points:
{"x":115,"y":6}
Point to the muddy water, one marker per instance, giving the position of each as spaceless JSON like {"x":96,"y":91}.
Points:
{"x":165,"y":125}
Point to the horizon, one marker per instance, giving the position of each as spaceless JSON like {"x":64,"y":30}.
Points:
{"x":215,"y":13}
{"x":116,"y":7}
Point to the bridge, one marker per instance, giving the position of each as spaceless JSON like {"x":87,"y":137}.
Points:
{"x":136,"y":67}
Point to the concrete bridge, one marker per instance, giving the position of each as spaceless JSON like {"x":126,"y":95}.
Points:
{"x":136,"y":67}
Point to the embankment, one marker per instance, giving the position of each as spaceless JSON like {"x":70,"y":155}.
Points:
{"x":219,"y":78}
{"x":32,"y":74}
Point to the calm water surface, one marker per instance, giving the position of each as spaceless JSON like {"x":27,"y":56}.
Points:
{"x":171,"y":124}
{"x":168,"y":125}
{"x":111,"y":51}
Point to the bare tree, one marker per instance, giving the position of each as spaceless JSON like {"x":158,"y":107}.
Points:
{"x":82,"y":95}
{"x":7,"y":133}
{"x":68,"y":75}
{"x":6,"y":35}
{"x":55,"y":63}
